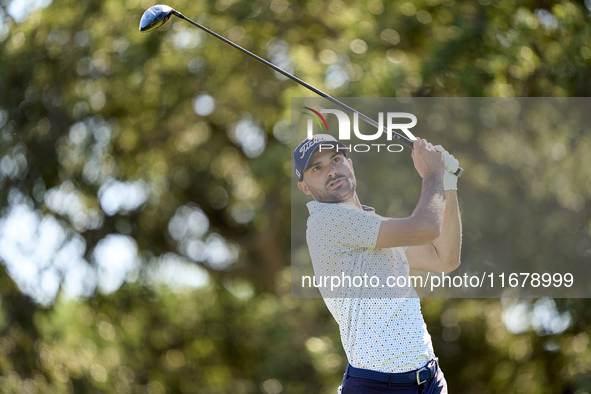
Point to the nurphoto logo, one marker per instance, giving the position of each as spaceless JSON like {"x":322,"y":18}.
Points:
{"x":344,"y":123}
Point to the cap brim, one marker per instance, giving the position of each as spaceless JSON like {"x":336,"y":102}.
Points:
{"x":335,"y":144}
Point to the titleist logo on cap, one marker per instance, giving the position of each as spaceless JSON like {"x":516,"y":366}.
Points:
{"x":309,"y":144}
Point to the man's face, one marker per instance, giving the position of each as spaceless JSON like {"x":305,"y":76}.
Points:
{"x":329,"y":177}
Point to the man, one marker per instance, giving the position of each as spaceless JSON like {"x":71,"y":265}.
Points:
{"x":385,"y":338}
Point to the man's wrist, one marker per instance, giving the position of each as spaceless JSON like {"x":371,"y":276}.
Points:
{"x":432,"y":178}
{"x":450,"y":181}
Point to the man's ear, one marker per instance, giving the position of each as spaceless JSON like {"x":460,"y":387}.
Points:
{"x":351,"y":165}
{"x":304,"y":187}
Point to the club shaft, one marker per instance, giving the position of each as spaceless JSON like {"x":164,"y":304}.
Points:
{"x":319,"y":92}
{"x":367,"y":119}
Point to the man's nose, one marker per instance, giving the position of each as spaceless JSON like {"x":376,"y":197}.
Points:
{"x":332,"y":170}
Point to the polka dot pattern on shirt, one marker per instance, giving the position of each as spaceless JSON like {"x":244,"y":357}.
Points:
{"x":381,"y":330}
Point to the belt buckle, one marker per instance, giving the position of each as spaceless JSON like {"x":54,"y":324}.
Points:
{"x":419,"y":377}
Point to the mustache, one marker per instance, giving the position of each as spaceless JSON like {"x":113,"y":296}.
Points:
{"x":335,"y":179}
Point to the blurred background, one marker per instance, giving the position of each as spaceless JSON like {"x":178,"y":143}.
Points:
{"x":145,"y":195}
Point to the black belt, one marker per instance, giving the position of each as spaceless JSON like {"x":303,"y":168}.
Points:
{"x":418,"y":376}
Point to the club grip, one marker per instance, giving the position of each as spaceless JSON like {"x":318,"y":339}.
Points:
{"x":409,"y":143}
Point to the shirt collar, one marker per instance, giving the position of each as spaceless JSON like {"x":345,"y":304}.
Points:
{"x":314,"y":206}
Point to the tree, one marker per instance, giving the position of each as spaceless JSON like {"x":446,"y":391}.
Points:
{"x":173,"y":148}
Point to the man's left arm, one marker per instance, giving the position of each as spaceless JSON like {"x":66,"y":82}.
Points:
{"x":443,"y":254}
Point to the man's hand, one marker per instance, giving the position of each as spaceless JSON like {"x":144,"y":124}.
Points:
{"x":424,"y":225}
{"x":450,"y":181}
{"x":443,"y":253}
{"x":427,"y":160}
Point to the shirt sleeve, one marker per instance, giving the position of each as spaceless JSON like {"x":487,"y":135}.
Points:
{"x":346,"y":225}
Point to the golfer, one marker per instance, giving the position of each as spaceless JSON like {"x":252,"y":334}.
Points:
{"x":385,"y":338}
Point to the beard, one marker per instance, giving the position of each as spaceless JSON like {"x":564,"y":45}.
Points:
{"x":341,"y":193}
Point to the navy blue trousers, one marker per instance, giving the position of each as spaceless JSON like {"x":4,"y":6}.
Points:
{"x":435,"y":385}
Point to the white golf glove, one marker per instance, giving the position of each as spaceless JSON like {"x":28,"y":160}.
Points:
{"x":450,"y":181}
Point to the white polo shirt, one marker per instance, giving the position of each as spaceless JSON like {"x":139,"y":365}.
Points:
{"x":381,"y":328}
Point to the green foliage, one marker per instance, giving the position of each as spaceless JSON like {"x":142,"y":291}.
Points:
{"x":86,"y":99}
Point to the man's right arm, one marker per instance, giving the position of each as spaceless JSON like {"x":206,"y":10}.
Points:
{"x":424,"y":225}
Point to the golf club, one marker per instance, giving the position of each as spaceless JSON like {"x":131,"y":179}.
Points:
{"x":157,"y":15}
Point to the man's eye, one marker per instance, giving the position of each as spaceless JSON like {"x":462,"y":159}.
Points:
{"x":337,"y":159}
{"x":316,"y":168}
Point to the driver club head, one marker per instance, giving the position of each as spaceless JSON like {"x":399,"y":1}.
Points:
{"x":155,"y":17}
